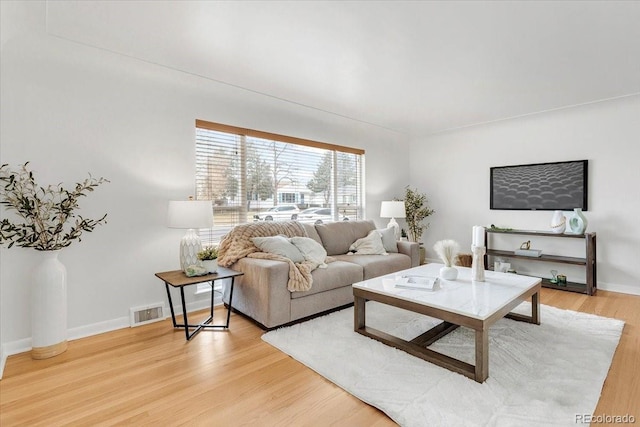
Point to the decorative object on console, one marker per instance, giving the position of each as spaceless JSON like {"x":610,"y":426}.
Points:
{"x":493,"y":227}
{"x":558,"y":222}
{"x":190,"y":214}
{"x":447,"y":250}
{"x":415,"y":205}
{"x":562,"y":280}
{"x":209,"y":258}
{"x":577,"y":222}
{"x":534,"y":253}
{"x":501,"y":266}
{"x":393,"y":209}
{"x":49,"y":225}
{"x":525,"y":250}
{"x":478,"y":250}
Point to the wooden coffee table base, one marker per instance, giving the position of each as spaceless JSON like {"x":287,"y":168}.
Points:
{"x":418,"y":346}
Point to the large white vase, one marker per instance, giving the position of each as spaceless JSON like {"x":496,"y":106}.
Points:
{"x":49,"y":307}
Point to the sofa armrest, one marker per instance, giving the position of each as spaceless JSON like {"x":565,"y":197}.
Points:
{"x":412,"y":249}
{"x":262,"y":292}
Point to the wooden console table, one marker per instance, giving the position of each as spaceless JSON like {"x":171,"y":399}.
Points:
{"x":589,"y":261}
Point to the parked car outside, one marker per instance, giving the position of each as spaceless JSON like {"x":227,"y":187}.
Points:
{"x":318,"y":215}
{"x":278,"y":213}
{"x":314,"y":214}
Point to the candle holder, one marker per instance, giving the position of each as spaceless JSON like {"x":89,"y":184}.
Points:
{"x":477,"y":264}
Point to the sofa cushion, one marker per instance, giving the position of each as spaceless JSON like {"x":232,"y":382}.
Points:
{"x":376,"y":265}
{"x":370,"y":245}
{"x":336,"y":275}
{"x":311,"y":232}
{"x":237,"y":243}
{"x":338,"y":236}
{"x":311,"y":250}
{"x":389,"y":239}
{"x":279,"y":245}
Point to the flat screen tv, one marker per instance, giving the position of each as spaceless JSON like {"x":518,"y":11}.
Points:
{"x":540,"y":186}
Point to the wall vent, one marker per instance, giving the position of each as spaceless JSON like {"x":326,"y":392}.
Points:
{"x":147,"y":314}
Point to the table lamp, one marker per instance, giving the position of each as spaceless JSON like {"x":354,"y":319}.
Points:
{"x":191,"y":214}
{"x":393,"y":209}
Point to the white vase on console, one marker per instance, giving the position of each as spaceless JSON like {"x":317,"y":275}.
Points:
{"x":558,"y":222}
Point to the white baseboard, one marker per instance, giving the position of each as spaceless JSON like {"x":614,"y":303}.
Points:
{"x":97,"y":328}
{"x":623,"y":289}
{"x":22,"y":345}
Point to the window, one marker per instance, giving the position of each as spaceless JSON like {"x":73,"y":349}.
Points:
{"x":257,"y":176}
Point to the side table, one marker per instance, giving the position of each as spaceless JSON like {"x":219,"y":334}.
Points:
{"x":178,"y":279}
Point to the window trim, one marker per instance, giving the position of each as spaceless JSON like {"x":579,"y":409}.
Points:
{"x":274,"y":136}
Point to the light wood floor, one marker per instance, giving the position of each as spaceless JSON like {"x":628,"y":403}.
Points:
{"x":150,"y":375}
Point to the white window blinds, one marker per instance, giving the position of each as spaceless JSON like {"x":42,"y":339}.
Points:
{"x":257,"y":176}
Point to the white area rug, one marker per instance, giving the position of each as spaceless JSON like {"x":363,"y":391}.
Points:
{"x":538,"y":375}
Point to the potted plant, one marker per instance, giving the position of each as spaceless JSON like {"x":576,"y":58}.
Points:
{"x":209,"y":258}
{"x":416,"y":210}
{"x":45,"y":220}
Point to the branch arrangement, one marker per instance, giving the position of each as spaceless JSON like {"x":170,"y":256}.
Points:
{"x":48,"y":213}
{"x":447,"y":250}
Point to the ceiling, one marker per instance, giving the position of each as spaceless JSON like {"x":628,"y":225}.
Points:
{"x":412,"y":67}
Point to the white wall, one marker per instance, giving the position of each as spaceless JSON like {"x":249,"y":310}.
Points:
{"x":71,"y":109}
{"x":453,"y":169}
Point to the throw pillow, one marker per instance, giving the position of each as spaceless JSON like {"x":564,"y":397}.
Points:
{"x":388,"y":236}
{"x":370,"y":245}
{"x":311,"y":250}
{"x":279,"y":245}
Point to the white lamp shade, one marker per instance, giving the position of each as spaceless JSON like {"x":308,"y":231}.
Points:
{"x":392,"y":209}
{"x":190,"y":214}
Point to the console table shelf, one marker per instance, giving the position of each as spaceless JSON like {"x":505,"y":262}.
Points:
{"x":548,"y":258}
{"x":580,"y":288}
{"x":589,"y":261}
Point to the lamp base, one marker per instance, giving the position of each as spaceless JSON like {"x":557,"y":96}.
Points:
{"x":393,"y":224}
{"x":190,"y":245}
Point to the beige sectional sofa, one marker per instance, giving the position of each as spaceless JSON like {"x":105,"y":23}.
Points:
{"x":262,"y":294}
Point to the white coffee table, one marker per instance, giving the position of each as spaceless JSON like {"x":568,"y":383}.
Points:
{"x":462,"y":302}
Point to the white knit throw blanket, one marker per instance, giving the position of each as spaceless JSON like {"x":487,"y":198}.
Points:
{"x":237,"y":244}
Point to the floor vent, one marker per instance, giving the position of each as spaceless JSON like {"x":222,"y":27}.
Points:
{"x":147,"y":314}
